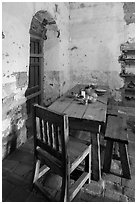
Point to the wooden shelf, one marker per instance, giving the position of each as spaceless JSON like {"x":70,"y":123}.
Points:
{"x":130,"y":89}
{"x":129,"y":59}
{"x":127,"y":75}
{"x":129,"y":96}
{"x":127,"y":47}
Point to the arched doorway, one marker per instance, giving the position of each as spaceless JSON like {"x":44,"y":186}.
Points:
{"x":41,"y":22}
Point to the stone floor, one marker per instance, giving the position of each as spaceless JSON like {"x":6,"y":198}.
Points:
{"x":17,"y":175}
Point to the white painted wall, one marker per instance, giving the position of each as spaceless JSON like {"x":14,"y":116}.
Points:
{"x":97,"y":30}
{"x":16,"y":21}
{"x":56,"y":57}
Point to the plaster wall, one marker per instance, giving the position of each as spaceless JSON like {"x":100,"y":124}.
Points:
{"x":56,"y":57}
{"x":96,"y":32}
{"x":16,"y":21}
{"x":15,"y":59}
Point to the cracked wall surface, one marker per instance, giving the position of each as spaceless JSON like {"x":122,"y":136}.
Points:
{"x":56,"y":57}
{"x":97,"y":31}
{"x":129,"y":12}
{"x":17,"y":19}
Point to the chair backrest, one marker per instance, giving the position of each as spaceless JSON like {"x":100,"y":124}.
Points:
{"x":50,"y":131}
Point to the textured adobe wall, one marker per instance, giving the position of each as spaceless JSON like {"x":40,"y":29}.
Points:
{"x":129,"y":12}
{"x":96,"y":32}
{"x":56,"y":56}
{"x":15,"y":51}
{"x":129,"y":22}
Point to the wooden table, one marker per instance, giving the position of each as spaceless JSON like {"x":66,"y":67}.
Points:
{"x":88,"y":117}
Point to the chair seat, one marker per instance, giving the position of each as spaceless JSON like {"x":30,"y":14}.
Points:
{"x":76,"y":149}
{"x":84,"y":136}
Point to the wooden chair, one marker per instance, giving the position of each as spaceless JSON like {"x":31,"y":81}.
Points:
{"x":60,"y":153}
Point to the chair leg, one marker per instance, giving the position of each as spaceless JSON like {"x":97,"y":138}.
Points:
{"x":67,"y":193}
{"x":108,"y":156}
{"x":64,"y":190}
{"x":88,"y":164}
{"x":36,"y":174}
{"x":115,"y":151}
{"x":63,"y":197}
{"x":33,"y":174}
{"x":124,"y":161}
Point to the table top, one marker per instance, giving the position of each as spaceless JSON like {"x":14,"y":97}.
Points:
{"x":92,"y":111}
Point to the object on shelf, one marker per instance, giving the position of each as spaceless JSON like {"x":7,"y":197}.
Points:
{"x":88,"y":90}
{"x":124,"y":74}
{"x":131,"y":85}
{"x":93,"y":85}
{"x":127,"y":46}
{"x":129,"y":97}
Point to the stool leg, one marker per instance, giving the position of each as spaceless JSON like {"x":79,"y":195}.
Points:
{"x":115,"y":151}
{"x":124,"y":160}
{"x":108,"y":156}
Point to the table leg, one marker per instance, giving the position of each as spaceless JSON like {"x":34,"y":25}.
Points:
{"x":95,"y":158}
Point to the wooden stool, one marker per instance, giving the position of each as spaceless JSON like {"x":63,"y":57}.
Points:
{"x":116,"y":131}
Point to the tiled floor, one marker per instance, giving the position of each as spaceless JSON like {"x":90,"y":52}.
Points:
{"x":17,"y":175}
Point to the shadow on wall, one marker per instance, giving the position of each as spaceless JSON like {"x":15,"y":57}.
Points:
{"x":12,"y":138}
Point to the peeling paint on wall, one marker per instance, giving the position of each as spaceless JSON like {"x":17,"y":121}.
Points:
{"x":21,"y":79}
{"x":73,"y":48}
{"x":56,"y":7}
{"x":3,"y":36}
{"x":13,"y":136}
{"x":52,"y":86}
{"x":98,"y":39}
{"x":16,"y":55}
{"x":129,"y":12}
